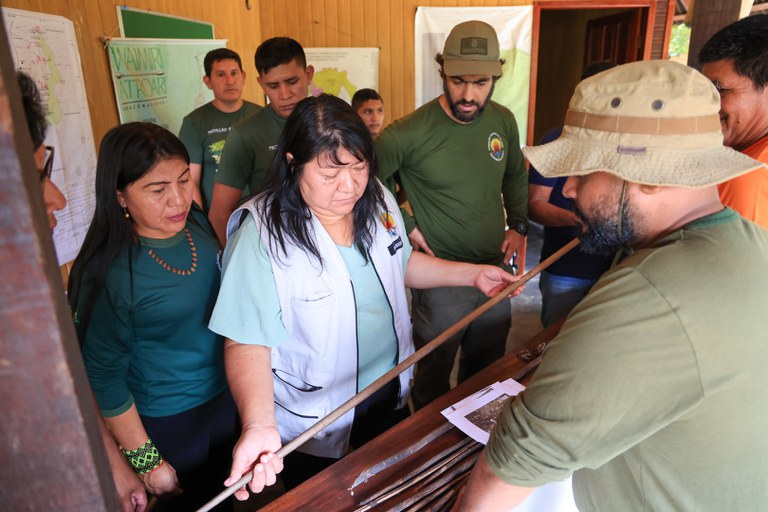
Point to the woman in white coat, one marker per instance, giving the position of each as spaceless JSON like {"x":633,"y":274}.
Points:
{"x":312,"y":300}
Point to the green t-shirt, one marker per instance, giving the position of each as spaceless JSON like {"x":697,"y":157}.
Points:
{"x":455,"y":176}
{"x":653,"y":392}
{"x":250,"y":147}
{"x":203,"y":132}
{"x":148,"y":340}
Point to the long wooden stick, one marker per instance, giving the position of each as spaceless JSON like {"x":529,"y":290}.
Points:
{"x":394,"y":372}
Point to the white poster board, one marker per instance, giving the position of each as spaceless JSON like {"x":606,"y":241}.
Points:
{"x":514,"y":26}
{"x":45,"y":47}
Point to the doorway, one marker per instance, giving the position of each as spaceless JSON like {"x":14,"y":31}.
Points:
{"x":568,"y":35}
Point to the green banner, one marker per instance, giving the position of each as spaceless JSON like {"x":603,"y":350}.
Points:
{"x":159,"y":80}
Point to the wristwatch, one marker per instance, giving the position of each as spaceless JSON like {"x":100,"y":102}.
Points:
{"x":521,"y":227}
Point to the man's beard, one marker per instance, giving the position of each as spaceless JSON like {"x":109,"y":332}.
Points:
{"x":458,"y":114}
{"x":602,"y":234}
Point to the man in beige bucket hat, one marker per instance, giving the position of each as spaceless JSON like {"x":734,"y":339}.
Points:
{"x":458,"y":160}
{"x":652,"y":396}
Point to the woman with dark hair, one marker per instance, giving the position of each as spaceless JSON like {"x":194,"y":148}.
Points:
{"x":141,"y":291}
{"x":312,"y":300}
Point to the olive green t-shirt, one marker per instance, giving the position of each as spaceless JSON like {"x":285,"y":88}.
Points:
{"x":654,"y":391}
{"x":203,"y":132}
{"x":250,"y":147}
{"x":459,"y":178}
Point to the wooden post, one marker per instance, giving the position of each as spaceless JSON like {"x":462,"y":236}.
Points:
{"x":51,"y":453}
{"x":709,"y":17}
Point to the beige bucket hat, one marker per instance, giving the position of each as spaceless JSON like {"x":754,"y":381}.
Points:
{"x":652,"y":122}
{"x":472,"y":48}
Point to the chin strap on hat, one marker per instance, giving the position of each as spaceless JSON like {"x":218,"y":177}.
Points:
{"x":620,"y":226}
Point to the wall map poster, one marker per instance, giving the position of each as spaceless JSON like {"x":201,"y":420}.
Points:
{"x":45,"y":47}
{"x":342,"y":71}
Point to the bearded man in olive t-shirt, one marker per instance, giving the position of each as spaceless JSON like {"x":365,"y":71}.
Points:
{"x":458,"y":160}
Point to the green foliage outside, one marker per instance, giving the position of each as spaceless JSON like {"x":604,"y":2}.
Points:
{"x":680,"y":40}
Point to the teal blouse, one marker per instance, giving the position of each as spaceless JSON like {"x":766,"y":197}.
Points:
{"x":147,"y":341}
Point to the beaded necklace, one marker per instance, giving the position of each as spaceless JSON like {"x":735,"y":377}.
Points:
{"x":173,"y":269}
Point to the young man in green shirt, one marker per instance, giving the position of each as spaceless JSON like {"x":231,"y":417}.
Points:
{"x":458,"y":160}
{"x":204,"y":130}
{"x":369,"y":105}
{"x":652,"y":394}
{"x":285,"y":77}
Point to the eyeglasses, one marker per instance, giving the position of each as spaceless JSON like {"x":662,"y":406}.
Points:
{"x":45,"y":172}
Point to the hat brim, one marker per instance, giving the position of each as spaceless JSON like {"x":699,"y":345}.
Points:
{"x":692,"y":168}
{"x":471,"y":67}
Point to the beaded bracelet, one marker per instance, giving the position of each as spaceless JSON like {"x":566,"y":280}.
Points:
{"x":145,"y":458}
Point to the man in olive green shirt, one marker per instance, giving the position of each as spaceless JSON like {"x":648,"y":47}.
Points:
{"x":204,"y":130}
{"x":458,"y":160}
{"x":652,"y":395}
{"x":285,"y":77}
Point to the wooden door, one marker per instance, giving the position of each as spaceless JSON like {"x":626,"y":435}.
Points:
{"x":570,"y":34}
{"x":619,"y":38}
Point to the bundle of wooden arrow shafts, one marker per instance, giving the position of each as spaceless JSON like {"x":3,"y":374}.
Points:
{"x":397,"y":370}
{"x":430,"y":486}
{"x":434,"y":484}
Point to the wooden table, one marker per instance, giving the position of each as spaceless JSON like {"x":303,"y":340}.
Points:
{"x":329,"y":491}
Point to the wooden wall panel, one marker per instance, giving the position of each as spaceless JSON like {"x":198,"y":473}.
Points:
{"x":344,"y":19}
{"x":94,"y":20}
{"x":385,"y":18}
{"x":388,"y":25}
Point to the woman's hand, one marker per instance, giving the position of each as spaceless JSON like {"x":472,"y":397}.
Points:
{"x":491,"y":280}
{"x":130,"y":489}
{"x":129,"y":432}
{"x":255,"y":452}
{"x":162,"y":481}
